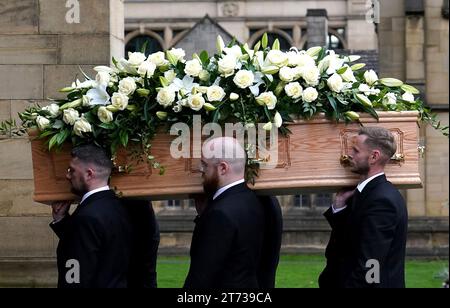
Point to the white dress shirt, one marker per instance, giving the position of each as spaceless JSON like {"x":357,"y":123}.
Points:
{"x":90,"y":193}
{"x":221,"y":190}
{"x":360,"y":188}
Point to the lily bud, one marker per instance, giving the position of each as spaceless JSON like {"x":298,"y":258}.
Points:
{"x":352,"y":115}
{"x":74,"y":104}
{"x":220,"y":45}
{"x":209,"y":107}
{"x":162,"y":115}
{"x":143,"y":92}
{"x":234,"y":96}
{"x":364,"y":100}
{"x":391,"y":82}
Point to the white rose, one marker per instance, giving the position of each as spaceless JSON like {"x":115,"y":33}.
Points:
{"x":311,"y":75}
{"x":119,"y":101}
{"x":165,"y":97}
{"x":127,"y":86}
{"x":70,"y":116}
{"x":42,"y":122}
{"x":53,"y":109}
{"x":268,"y":99}
{"x":102,"y":78}
{"x":81,"y":126}
{"x":294,"y":90}
{"x":104,"y":115}
{"x":170,"y":75}
{"x":408,"y":96}
{"x":227,"y":65}
{"x":300,"y":59}
{"x":215,"y":94}
{"x":178,"y":54}
{"x":234,"y":51}
{"x":147,"y":67}
{"x":370,"y":76}
{"x":204,"y":75}
{"x":244,"y":79}
{"x":348,"y":75}
{"x":287,"y":74}
{"x":310,"y":94}
{"x":136,"y":58}
{"x":335,"y":83}
{"x":196,"y":101}
{"x":158,"y":58}
{"x":193,"y":67}
{"x":277,"y":58}
{"x":390,"y":99}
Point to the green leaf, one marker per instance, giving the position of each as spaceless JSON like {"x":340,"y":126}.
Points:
{"x":52,"y":142}
{"x":114,"y":61}
{"x":204,"y":57}
{"x":108,"y":126}
{"x":123,"y":136}
{"x":342,"y":70}
{"x":144,"y":47}
{"x":58,"y":124}
{"x":62,"y":136}
{"x":333,"y":104}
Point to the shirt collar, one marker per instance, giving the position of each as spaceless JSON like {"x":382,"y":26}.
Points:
{"x":364,"y":183}
{"x":221,"y":190}
{"x":88,"y":194}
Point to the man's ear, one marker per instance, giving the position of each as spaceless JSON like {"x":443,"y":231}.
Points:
{"x":223,"y":168}
{"x":90,"y":173}
{"x":375,"y":156}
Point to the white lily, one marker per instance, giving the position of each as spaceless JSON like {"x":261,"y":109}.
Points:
{"x":98,"y":96}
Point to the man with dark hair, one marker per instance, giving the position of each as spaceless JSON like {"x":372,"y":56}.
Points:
{"x":94,"y":242}
{"x":369,"y":224}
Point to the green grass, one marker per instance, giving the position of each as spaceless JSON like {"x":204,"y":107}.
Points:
{"x":301,"y":271}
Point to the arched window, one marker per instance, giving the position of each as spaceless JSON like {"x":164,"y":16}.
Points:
{"x":335,"y":39}
{"x":135,"y":40}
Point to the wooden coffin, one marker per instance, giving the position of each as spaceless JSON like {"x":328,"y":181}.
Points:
{"x":312,"y":158}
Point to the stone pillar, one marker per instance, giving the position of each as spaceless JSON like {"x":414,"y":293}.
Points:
{"x":42,"y":44}
{"x":317,"y":23}
{"x":391,"y":38}
{"x":360,"y":33}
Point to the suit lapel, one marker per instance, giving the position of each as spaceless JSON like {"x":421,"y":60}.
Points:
{"x":358,"y":198}
{"x":92,"y":198}
{"x":231,"y":191}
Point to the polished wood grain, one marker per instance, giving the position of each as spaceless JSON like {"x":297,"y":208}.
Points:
{"x":308,"y":160}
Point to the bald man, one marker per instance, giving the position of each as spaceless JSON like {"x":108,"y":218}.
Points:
{"x":228,"y":238}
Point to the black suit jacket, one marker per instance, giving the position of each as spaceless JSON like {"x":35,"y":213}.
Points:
{"x":145,"y":242}
{"x":373,"y":226}
{"x":227,"y":242}
{"x":273,"y":229}
{"x":98,"y":236}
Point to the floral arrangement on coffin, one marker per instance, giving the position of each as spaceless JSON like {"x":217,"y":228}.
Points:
{"x":128,"y":102}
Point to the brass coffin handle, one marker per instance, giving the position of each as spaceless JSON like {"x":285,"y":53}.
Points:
{"x":345,"y":160}
{"x":398,"y":157}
